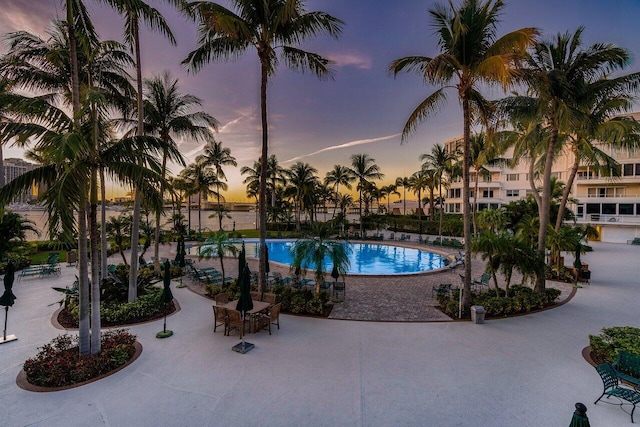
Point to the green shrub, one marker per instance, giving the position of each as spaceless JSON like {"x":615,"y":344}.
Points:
{"x":606,"y":346}
{"x":59,"y":363}
{"x":212,"y":290}
{"x":521,"y":299}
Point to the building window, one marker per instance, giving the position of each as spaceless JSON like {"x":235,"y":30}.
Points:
{"x":513,"y":193}
{"x":637,"y":169}
{"x":625,"y":209}
{"x":593,"y":208}
{"x":585,"y":174}
{"x":513,"y":177}
{"x":609,"y":208}
{"x":627,"y":169}
{"x":487,"y":193}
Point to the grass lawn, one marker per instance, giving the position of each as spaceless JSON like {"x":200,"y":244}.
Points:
{"x":41,"y":257}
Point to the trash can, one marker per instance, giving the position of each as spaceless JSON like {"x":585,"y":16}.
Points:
{"x":477,"y":314}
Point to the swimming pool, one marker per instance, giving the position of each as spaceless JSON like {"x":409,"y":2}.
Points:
{"x":365,"y":258}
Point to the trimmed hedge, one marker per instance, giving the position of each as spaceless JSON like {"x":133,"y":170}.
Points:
{"x":606,"y":346}
{"x":522,"y":299}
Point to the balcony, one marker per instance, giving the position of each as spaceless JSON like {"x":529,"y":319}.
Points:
{"x":608,"y":219}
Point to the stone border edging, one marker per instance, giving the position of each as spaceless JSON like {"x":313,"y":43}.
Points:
{"x":22,"y":382}
{"x":57,"y":325}
{"x":586,"y":353}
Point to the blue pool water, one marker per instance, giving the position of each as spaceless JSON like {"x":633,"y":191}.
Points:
{"x":366,"y":258}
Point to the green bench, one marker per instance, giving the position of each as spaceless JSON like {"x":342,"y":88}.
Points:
{"x":627,"y":367}
{"x":635,"y":241}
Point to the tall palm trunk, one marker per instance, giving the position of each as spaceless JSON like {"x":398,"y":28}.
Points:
{"x":219,"y":212}
{"x":93,"y":239}
{"x":200,"y":214}
{"x":2,"y":181}
{"x":404,"y":199}
{"x":263,"y":171}
{"x":466,"y":217}
{"x":441,"y":207}
{"x":361,"y":225}
{"x":103,"y":226}
{"x":569,"y":185}
{"x":95,"y":263}
{"x":84,"y":344}
{"x":545,"y":205}
{"x":135,"y":222}
{"x":475,"y":203}
{"x":156,"y":237}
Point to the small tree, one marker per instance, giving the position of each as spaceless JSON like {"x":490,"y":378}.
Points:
{"x":218,"y":244}
{"x":315,"y":251}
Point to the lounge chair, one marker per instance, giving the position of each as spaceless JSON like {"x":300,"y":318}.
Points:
{"x":483,"y":282}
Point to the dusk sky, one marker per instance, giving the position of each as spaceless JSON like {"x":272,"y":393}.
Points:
{"x":363,"y":109}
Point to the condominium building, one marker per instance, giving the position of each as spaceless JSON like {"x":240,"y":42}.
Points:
{"x":610,"y":204}
{"x":13,"y":168}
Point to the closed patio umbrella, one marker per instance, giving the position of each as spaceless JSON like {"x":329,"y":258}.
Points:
{"x":335,"y":273}
{"x":579,"y":418}
{"x":244,"y":305}
{"x":7,"y":299}
{"x":166,"y":298}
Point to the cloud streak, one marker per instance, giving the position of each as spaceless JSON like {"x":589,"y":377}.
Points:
{"x":345,"y":145}
{"x":360,"y":62}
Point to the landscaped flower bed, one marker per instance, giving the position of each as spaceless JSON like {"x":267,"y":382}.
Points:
{"x":521,"y":299}
{"x":59,"y":364}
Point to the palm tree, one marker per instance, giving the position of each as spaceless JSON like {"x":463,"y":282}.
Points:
{"x":13,"y":228}
{"x":339,"y":175}
{"x":201,"y":178}
{"x":118,"y":230}
{"x":267,"y":26}
{"x":168,"y":114}
{"x":387,"y":191}
{"x":218,"y":156}
{"x":314,"y":252}
{"x":557,"y":104}
{"x":418,"y":181}
{"x":364,"y":168}
{"x":218,"y":244}
{"x":133,"y":11}
{"x":302,"y":181}
{"x":404,"y":183}
{"x":470,"y":54}
{"x":441,"y":160}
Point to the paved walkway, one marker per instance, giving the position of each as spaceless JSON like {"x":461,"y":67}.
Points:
{"x":523,"y":371}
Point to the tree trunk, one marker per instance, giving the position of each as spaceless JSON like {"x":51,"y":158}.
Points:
{"x":466,"y":297}
{"x":567,"y":188}
{"x":103,"y":226}
{"x":2,"y":180}
{"x":95,"y":264}
{"x":475,"y":204}
{"x":84,"y":343}
{"x":264,"y":162}
{"x":441,"y":208}
{"x":545,"y":205}
{"x":156,"y":237}
{"x":135,"y":222}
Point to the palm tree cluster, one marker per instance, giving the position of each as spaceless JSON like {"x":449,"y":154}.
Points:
{"x":572,"y":94}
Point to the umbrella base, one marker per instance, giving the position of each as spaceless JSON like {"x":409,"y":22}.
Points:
{"x":164,"y":334}
{"x":243,"y":347}
{"x":9,"y":339}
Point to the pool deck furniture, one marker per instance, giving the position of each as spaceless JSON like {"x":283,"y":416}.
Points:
{"x":442,"y":288}
{"x":219,"y":317}
{"x":635,"y":241}
{"x":627,"y":367}
{"x":339,"y":287}
{"x":258,"y":306}
{"x":32,"y":270}
{"x":482,"y":283}
{"x":272,"y":317}
{"x":612,"y":387}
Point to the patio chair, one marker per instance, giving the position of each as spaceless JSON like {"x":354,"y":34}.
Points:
{"x":219,"y":317}
{"x":271,"y":318}
{"x":269,"y":297}
{"x":234,"y":321}
{"x":221,"y":298}
{"x":255,"y":296}
{"x":612,"y":388}
{"x":392,"y":236}
{"x":483,"y":282}
{"x":443,"y":288}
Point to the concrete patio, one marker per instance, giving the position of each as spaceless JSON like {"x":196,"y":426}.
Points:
{"x":522,"y":371}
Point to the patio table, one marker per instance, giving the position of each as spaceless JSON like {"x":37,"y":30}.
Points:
{"x":258,"y":306}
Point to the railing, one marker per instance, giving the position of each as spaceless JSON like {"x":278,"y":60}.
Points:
{"x":601,"y":218}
